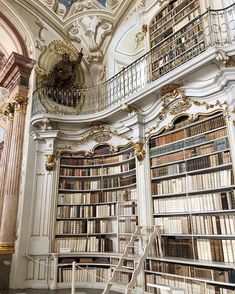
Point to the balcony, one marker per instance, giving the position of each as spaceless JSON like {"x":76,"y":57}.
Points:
{"x":194,"y":42}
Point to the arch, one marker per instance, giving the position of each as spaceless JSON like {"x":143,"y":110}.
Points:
{"x":13,"y":41}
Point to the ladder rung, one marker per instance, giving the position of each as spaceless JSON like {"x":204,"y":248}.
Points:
{"x":132,"y":246}
{"x":124,"y":270}
{"x":119,"y":283}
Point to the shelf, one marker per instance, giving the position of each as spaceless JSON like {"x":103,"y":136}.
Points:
{"x":101,"y":189}
{"x":188,"y":127}
{"x":85,"y":218}
{"x":205,"y":212}
{"x":188,"y":158}
{"x":85,"y":264}
{"x":188,"y":261}
{"x":195,"y":192}
{"x":196,"y":171}
{"x":129,"y":172}
{"x":84,"y":234}
{"x":94,"y":254}
{"x":191,"y":278}
{"x":185,"y":141}
{"x":88,"y":204}
{"x":84,"y":166}
{"x":199,"y":236}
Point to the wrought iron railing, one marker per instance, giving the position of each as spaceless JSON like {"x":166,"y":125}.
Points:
{"x":213,"y":28}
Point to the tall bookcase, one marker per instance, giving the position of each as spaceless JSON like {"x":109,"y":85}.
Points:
{"x":96,"y":211}
{"x":176,"y":35}
{"x":194,"y":203}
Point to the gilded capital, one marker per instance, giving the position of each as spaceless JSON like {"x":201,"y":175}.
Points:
{"x":50,"y":163}
{"x":139,"y":151}
{"x":20,"y":102}
{"x":8,"y":110}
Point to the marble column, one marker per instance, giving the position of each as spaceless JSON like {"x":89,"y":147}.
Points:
{"x":9,"y":115}
{"x":12,"y":179}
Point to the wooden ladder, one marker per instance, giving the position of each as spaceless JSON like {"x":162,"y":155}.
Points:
{"x":144,"y":235}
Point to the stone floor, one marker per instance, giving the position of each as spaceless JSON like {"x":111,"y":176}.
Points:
{"x":31,"y":291}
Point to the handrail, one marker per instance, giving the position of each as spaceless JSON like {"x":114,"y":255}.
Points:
{"x":201,"y":33}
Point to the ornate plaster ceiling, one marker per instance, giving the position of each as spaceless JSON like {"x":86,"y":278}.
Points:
{"x":85,"y":23}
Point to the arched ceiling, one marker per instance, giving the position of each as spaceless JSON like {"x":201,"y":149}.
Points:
{"x":86,"y":23}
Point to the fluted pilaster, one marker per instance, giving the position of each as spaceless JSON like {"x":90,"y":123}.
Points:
{"x":9,"y":115}
{"x":12,"y":178}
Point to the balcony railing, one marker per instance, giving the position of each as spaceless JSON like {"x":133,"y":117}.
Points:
{"x":213,"y":28}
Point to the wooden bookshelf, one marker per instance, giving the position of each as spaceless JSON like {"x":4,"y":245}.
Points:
{"x":176,"y":35}
{"x":96,"y":202}
{"x":194,"y":203}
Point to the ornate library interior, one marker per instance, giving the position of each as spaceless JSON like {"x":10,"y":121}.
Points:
{"x":117,"y":127}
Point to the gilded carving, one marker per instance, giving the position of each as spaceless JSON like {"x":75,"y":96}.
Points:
{"x":139,"y":151}
{"x":223,"y":56}
{"x":100,"y":134}
{"x":180,"y":103}
{"x":8,"y":110}
{"x":61,"y":47}
{"x":130,"y":108}
{"x":20,"y":103}
{"x":46,"y":124}
{"x":50,"y":163}
{"x":180,"y":107}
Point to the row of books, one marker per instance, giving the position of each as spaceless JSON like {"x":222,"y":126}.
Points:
{"x":172,"y":48}
{"x":122,"y":278}
{"x":195,"y":203}
{"x":86,"y":211}
{"x":96,"y":197}
{"x":214,"y":274}
{"x":102,"y":171}
{"x":215,"y":146}
{"x":197,"y":225}
{"x":198,"y":140}
{"x":127,"y":224}
{"x":97,"y":161}
{"x":207,"y":249}
{"x":190,"y":286}
{"x":86,"y":275}
{"x":94,"y":185}
{"x":221,"y":178}
{"x":201,"y":249}
{"x":83,"y":227}
{"x":64,"y":261}
{"x":168,"y":12}
{"x":193,"y":164}
{"x":83,"y":244}
{"x":123,"y":240}
{"x":127,"y":208}
{"x":196,"y":182}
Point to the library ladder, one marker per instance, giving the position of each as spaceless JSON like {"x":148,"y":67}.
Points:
{"x":146,"y":237}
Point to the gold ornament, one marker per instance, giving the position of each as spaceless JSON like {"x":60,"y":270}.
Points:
{"x":139,"y":151}
{"x":50,"y":163}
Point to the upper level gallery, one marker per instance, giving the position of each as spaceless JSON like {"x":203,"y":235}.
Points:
{"x":182,"y":40}
{"x":177,"y":41}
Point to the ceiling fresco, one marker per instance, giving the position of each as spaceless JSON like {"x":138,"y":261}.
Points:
{"x":69,"y":3}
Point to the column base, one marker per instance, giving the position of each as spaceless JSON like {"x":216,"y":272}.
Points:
{"x":6,"y":249}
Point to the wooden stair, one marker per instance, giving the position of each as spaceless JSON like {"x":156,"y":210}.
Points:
{"x":146,"y":237}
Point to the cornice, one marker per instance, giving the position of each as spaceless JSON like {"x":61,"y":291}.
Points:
{"x":16,"y":70}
